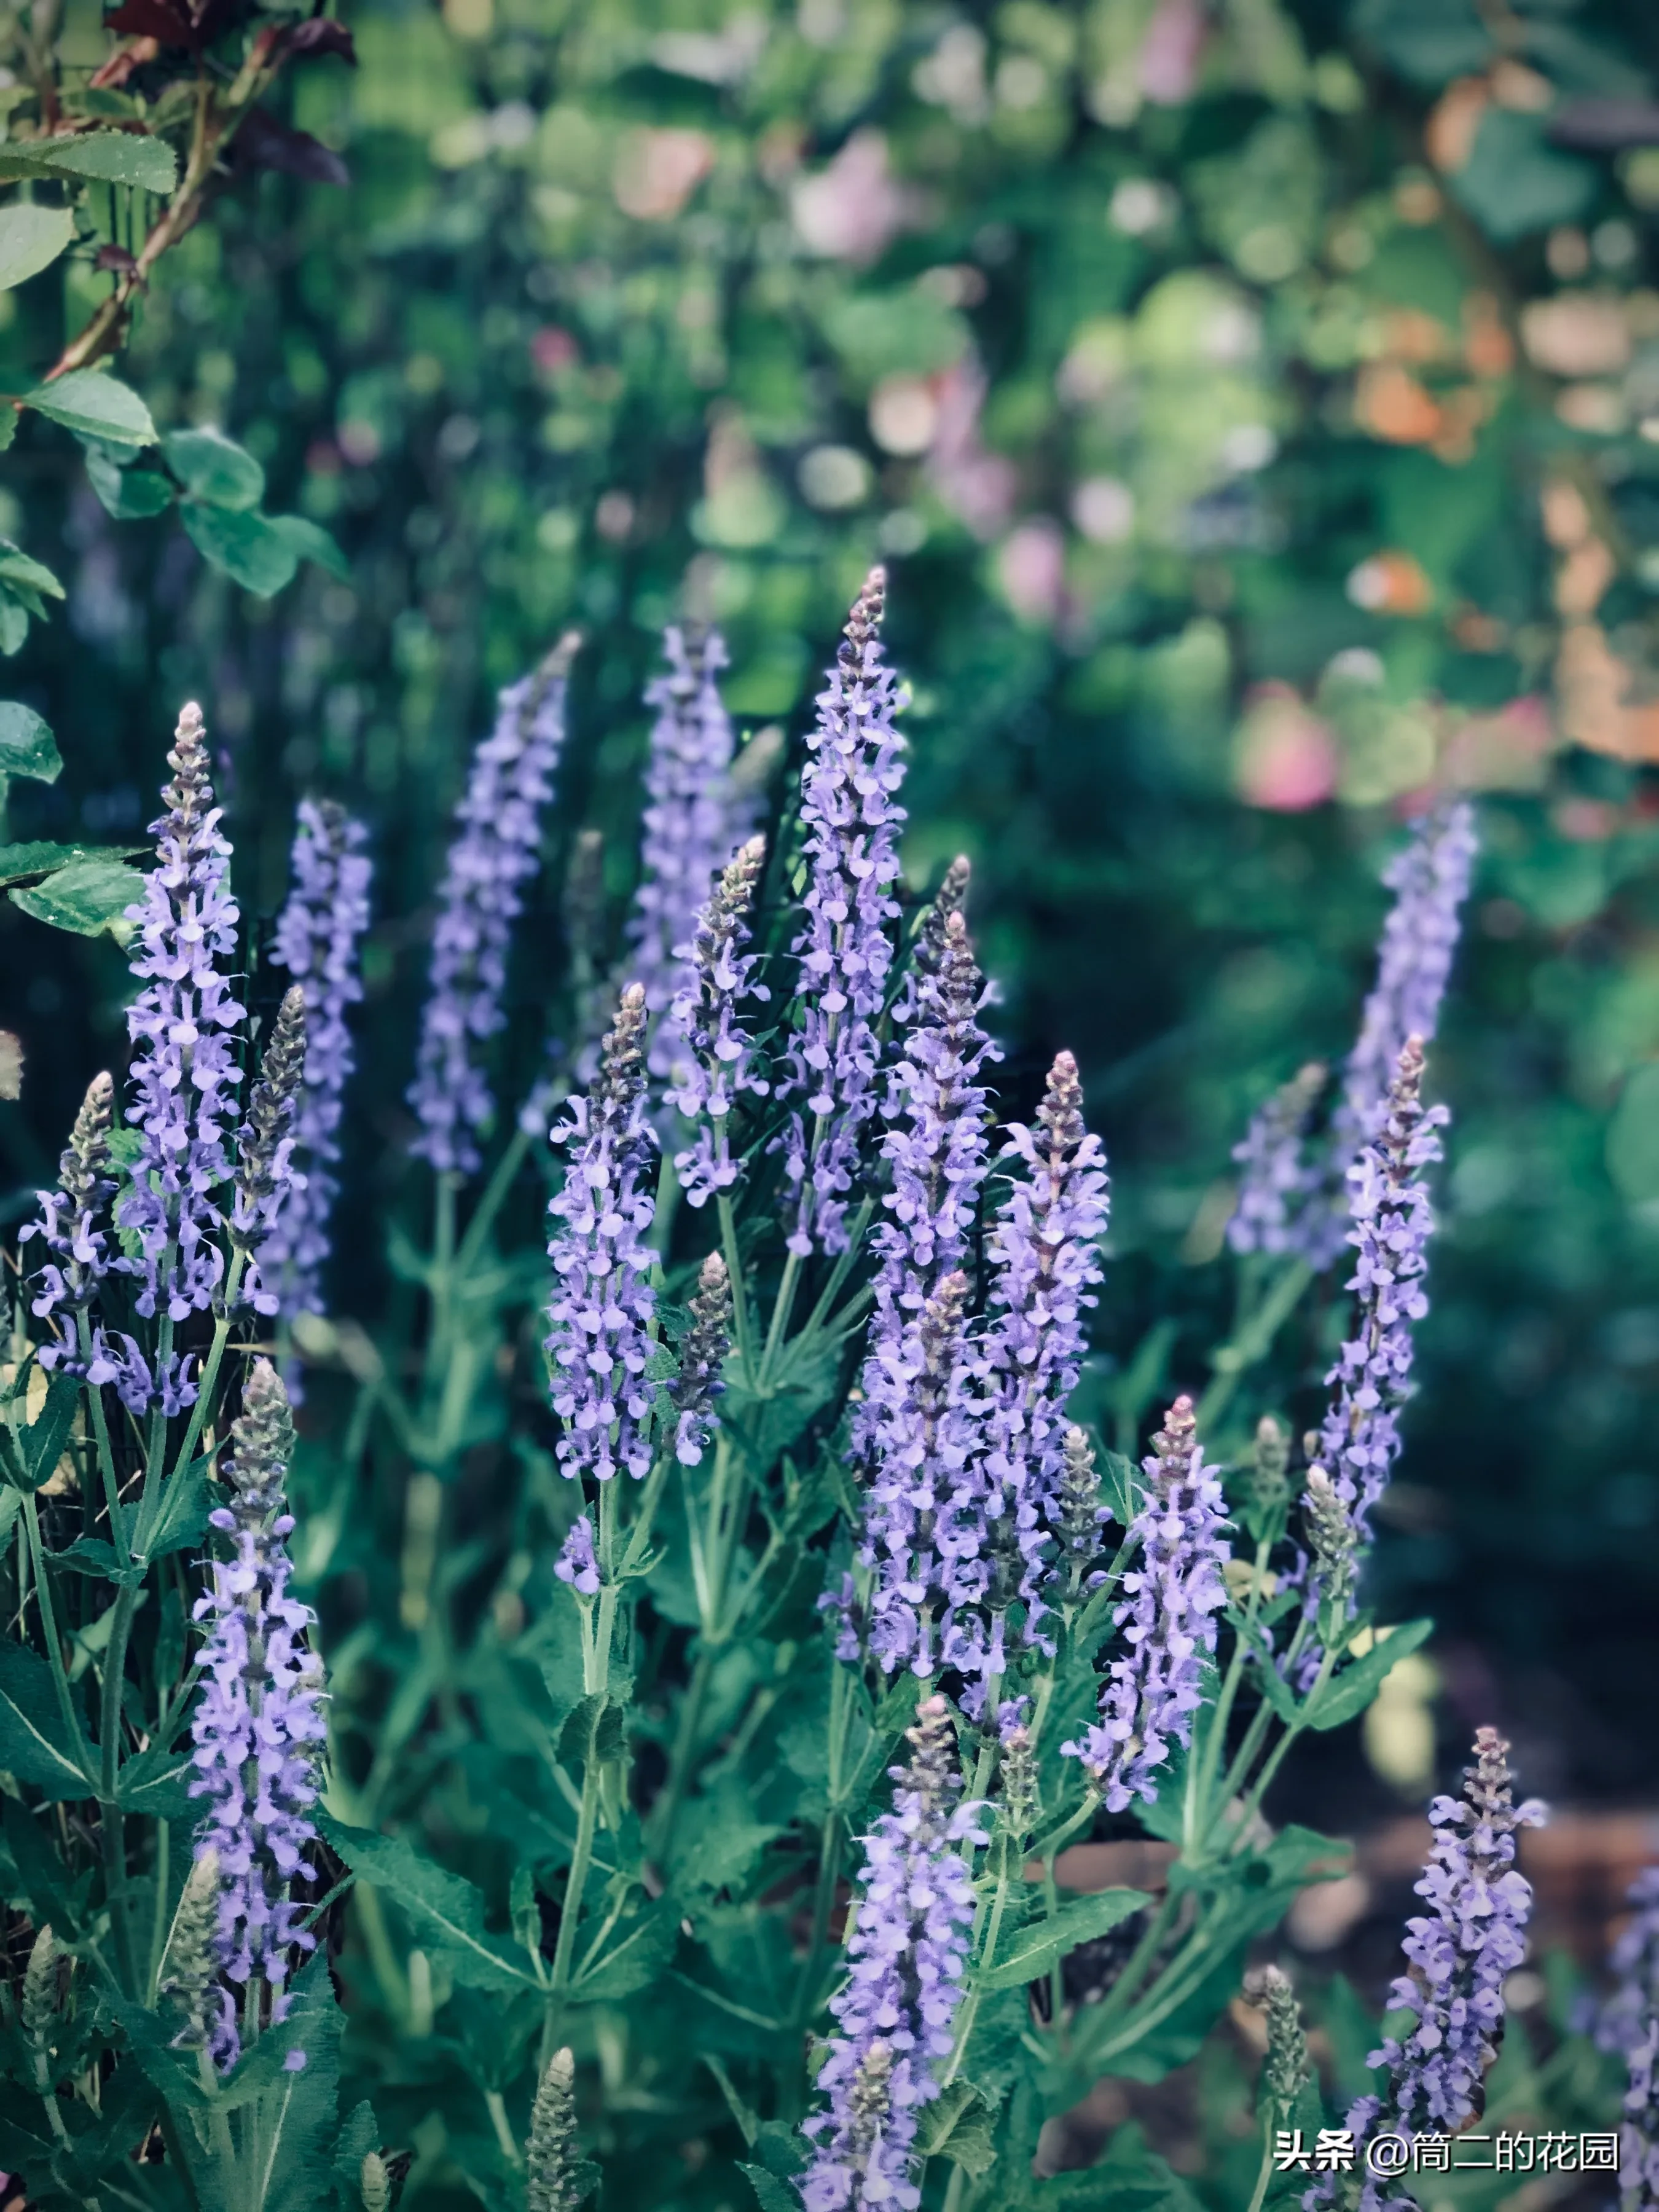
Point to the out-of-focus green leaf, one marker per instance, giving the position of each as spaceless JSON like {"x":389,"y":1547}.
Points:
{"x":127,"y":494}
{"x":309,"y":541}
{"x":31,"y":238}
{"x":214,"y":468}
{"x":250,"y":549}
{"x":27,"y":745}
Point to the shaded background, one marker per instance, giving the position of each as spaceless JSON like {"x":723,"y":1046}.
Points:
{"x":1258,"y":408}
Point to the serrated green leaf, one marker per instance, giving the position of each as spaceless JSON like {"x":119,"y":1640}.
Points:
{"x":26,"y":745}
{"x":311,"y":542}
{"x":104,"y":157}
{"x":31,"y":238}
{"x":246,"y":547}
{"x":156,"y":1783}
{"x":31,"y":1722}
{"x":183,"y":1518}
{"x":27,"y":863}
{"x":25,"y":574}
{"x":636,"y":1958}
{"x":771,"y":2194}
{"x":1079,"y":1920}
{"x":444,"y":1907}
{"x":84,"y":897}
{"x":959,"y":2125}
{"x":214,"y":468}
{"x":1348,"y":1694}
{"x":98,"y":405}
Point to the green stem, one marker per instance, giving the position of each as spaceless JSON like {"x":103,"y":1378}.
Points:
{"x":739,"y":1288}
{"x":781,"y":1311}
{"x":43,"y":1598}
{"x":1251,"y":1341}
{"x":117,"y":1534}
{"x":501,"y":1182}
{"x":1264,"y":2172}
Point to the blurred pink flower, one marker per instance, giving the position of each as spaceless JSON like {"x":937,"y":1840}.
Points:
{"x":658,"y":171}
{"x":1171,"y":51}
{"x":1284,"y":758}
{"x":552,"y":348}
{"x":850,"y":210}
{"x":977,"y":486}
{"x":1031,"y":569}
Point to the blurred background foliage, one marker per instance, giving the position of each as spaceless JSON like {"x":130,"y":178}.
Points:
{"x":1258,"y":407}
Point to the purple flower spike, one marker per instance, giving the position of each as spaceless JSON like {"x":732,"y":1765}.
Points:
{"x":1167,"y":1619}
{"x":258,"y":1724}
{"x":906,"y":1955}
{"x":318,"y":938}
{"x":603,"y":1300}
{"x":1460,"y":1953}
{"x":498,"y":836}
{"x":1393,"y":1220}
{"x":264,"y":1147}
{"x":1622,"y":2022}
{"x":1045,"y":1252}
{"x":1278,"y":1178}
{"x":851,"y":818}
{"x":68,"y":1228}
{"x":714,"y":1052}
{"x":184,"y":1078}
{"x":694,"y":822}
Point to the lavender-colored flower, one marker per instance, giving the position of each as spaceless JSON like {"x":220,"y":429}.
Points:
{"x":1622,"y":2021}
{"x":923,"y":1531}
{"x":258,"y":1722}
{"x":184,"y":1078}
{"x":851,"y":818}
{"x":498,"y":835}
{"x":264,"y":1145}
{"x":1278,"y":1178}
{"x":577,"y":1562}
{"x":1460,"y":1953}
{"x":1393,"y":1220}
{"x":79,"y":1260}
{"x":1638,"y":2134}
{"x":702,"y":1358}
{"x":1046,"y":1258}
{"x":694,"y":821}
{"x":318,"y":938}
{"x":906,"y":1953}
{"x":1167,"y":1619}
{"x":603,"y":1300}
{"x":714,"y":1052}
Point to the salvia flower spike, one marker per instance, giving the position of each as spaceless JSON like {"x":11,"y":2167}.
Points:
{"x":552,"y":2184}
{"x":1620,"y":2023}
{"x":1287,"y":2066}
{"x":1393,"y":1220}
{"x":693,"y":820}
{"x":1277,"y":1177}
{"x":1168,"y":1619}
{"x":257,"y":1723}
{"x":319,"y":941}
{"x":702,"y":1356}
{"x":1045,"y":1255}
{"x":714,"y":1060}
{"x":851,"y":816}
{"x":1460,"y":1953}
{"x":603,"y":1301}
{"x":906,"y":1956}
{"x":68,"y":1227}
{"x":184,"y":1077}
{"x":494,"y":852}
{"x":264,"y":1147}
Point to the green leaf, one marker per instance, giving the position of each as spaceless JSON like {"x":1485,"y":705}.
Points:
{"x":31,"y":1720}
{"x":31,"y":238}
{"x":97,"y":404}
{"x":1034,"y":1948}
{"x":250,"y":550}
{"x":156,"y":1785}
{"x":447,"y":1910}
{"x":959,"y":2125}
{"x":183,"y":1519}
{"x":213,"y":468}
{"x":1349,"y":1692}
{"x":771,"y":2194}
{"x":38,"y":1445}
{"x":104,"y":157}
{"x":311,"y":542}
{"x":27,"y":745}
{"x":1515,"y":181}
{"x":24,"y":575}
{"x":129,"y":495}
{"x":86,"y":896}
{"x":27,"y":863}
{"x":635,"y":1960}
